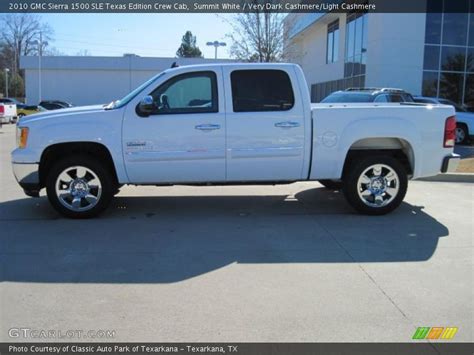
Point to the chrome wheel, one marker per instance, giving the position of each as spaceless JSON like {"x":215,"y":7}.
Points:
{"x":78,"y":188}
{"x":378,"y":185}
{"x":460,"y":134}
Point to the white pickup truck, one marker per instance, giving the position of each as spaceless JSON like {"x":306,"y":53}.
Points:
{"x":7,"y":113}
{"x":231,"y":124}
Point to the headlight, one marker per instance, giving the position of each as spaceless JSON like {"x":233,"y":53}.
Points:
{"x":21,"y":137}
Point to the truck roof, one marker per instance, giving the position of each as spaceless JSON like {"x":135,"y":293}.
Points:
{"x":236,"y":64}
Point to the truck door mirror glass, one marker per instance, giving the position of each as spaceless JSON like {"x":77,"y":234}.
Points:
{"x":146,"y":106}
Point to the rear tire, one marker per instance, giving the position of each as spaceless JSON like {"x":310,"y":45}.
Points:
{"x":79,"y":187}
{"x":375,"y":185}
{"x":331,"y":184}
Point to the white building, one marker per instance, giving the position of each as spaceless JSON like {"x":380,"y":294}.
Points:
{"x":430,"y":54}
{"x":92,"y":80}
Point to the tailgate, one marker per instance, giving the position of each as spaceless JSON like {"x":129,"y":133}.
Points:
{"x":8,"y":110}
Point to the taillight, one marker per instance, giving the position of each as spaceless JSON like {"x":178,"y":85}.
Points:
{"x":449,"y":132}
{"x":2,"y":110}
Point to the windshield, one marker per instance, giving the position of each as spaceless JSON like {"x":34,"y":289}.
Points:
{"x":345,"y":97}
{"x":122,"y":102}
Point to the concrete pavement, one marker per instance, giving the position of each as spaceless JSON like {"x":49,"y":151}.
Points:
{"x":250,"y":263}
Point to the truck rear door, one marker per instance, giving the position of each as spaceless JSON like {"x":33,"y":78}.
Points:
{"x":265,"y":124}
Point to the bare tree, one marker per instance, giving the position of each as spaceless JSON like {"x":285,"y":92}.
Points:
{"x":84,"y":53}
{"x":258,"y":36}
{"x":17,"y":32}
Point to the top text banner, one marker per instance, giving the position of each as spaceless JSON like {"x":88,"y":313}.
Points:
{"x":233,"y":6}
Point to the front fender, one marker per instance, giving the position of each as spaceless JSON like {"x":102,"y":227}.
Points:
{"x":104,"y":128}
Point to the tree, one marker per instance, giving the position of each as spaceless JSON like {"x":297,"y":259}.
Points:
{"x":17,"y":34}
{"x":188,"y":48}
{"x":83,"y":53}
{"x":257,"y":37}
{"x":16,"y":85}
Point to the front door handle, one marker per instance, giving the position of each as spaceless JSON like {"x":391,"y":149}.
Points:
{"x":207,"y":127}
{"x":287,"y":124}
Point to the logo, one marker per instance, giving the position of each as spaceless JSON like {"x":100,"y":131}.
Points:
{"x":433,"y":333}
{"x":329,"y":139}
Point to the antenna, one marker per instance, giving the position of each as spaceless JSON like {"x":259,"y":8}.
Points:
{"x":174,"y":65}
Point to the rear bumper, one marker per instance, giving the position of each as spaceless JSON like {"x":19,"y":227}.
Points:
{"x":7,"y":119}
{"x":450,"y":163}
{"x":27,"y":175}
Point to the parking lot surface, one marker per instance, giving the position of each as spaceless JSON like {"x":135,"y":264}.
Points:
{"x":284,"y":263}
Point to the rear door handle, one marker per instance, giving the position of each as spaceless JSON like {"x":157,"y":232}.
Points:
{"x":287,"y":124}
{"x":207,"y":127}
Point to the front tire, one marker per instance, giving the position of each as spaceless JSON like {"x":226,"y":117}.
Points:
{"x":79,"y":187}
{"x":375,"y":185}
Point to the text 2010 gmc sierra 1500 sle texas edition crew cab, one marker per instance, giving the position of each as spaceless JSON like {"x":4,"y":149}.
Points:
{"x":229,"y":124}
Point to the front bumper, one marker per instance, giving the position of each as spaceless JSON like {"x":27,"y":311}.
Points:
{"x":27,"y":175}
{"x":450,"y":163}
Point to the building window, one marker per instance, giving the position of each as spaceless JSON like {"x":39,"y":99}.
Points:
{"x":356,"y":49}
{"x":451,"y":86}
{"x":453,"y":58}
{"x":469,"y":91}
{"x":433,"y":28}
{"x":455,"y":29}
{"x":430,"y":83}
{"x":431,"y":59}
{"x":332,"y":49}
{"x":449,"y":51}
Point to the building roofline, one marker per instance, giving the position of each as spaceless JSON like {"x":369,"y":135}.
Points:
{"x":110,"y":63}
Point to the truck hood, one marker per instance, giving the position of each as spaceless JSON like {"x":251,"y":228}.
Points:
{"x":65,"y":112}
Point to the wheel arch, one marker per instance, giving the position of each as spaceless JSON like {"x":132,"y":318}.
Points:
{"x":399,"y":148}
{"x":61,"y":150}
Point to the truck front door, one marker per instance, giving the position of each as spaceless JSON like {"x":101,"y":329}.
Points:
{"x":183,"y":140}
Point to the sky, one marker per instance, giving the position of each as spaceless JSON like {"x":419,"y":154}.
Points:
{"x":147,"y":35}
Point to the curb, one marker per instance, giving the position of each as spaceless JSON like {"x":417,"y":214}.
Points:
{"x":450,"y":177}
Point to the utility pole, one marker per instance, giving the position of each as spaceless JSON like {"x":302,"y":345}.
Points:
{"x":6,"y":81}
{"x":216,"y":44}
{"x":40,"y":44}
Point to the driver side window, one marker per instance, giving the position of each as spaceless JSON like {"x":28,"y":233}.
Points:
{"x":187,"y":93}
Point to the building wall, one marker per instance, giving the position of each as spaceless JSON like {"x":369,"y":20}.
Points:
{"x":92,"y":80}
{"x":394,"y":51}
{"x":309,"y":51}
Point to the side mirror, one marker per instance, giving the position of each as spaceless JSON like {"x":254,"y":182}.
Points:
{"x":146,"y":106}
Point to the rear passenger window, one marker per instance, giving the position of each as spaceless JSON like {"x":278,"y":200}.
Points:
{"x":261,"y":90}
{"x":395,"y":98}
